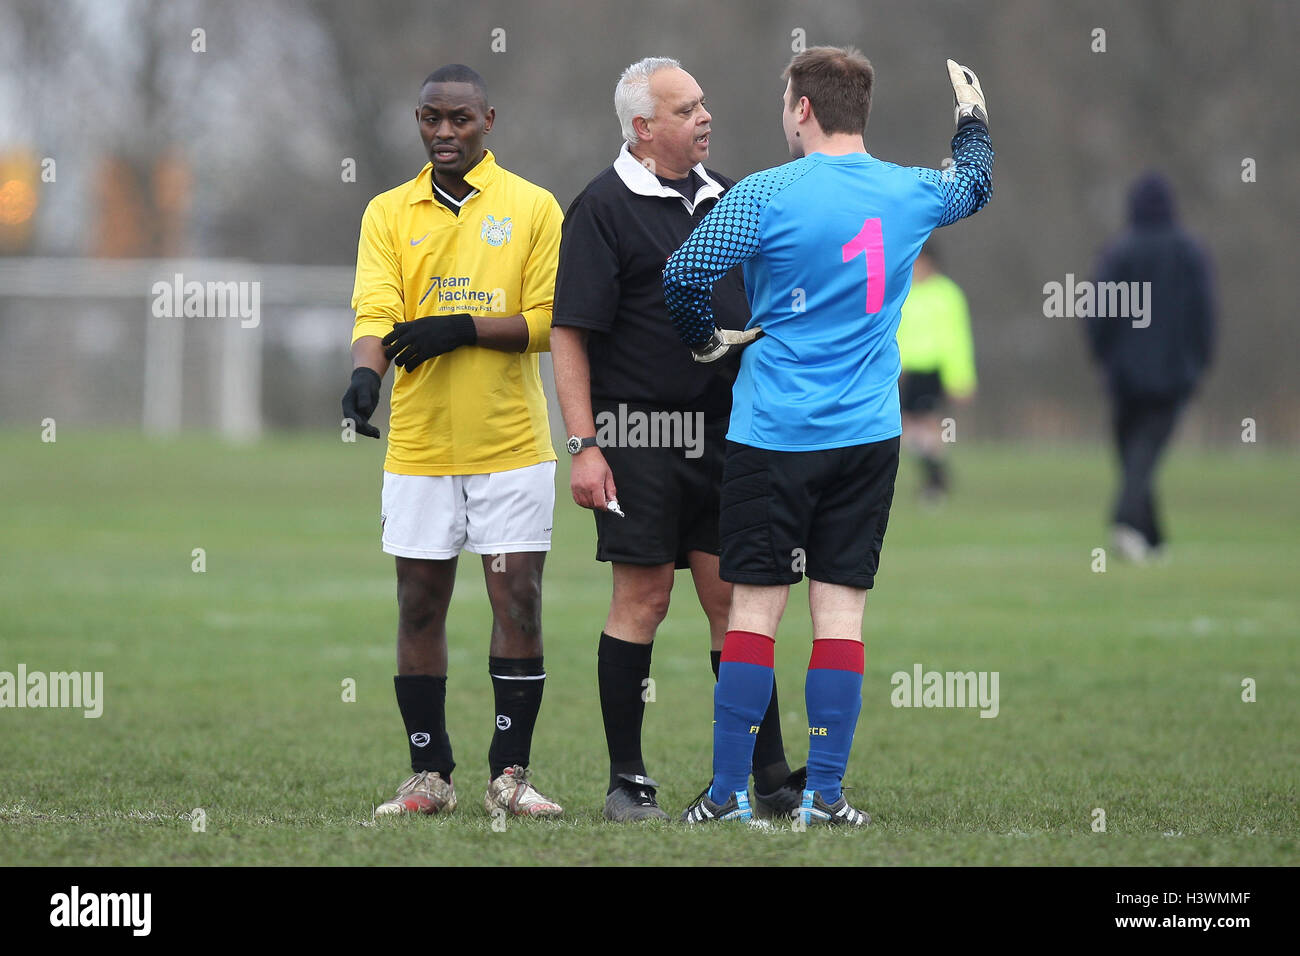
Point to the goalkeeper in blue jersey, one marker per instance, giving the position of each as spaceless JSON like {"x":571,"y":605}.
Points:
{"x":827,"y":243}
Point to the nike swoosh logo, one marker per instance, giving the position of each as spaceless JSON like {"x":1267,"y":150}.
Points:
{"x":416,"y":242}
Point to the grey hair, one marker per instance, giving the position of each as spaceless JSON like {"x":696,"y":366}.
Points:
{"x":632,"y":97}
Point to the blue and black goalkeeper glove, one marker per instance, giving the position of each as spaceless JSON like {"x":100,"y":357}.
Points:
{"x":361,"y":399}
{"x":411,"y":344}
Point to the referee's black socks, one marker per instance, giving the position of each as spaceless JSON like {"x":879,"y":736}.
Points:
{"x":517,"y":685}
{"x":422,"y":699}
{"x":771,"y":769}
{"x":621,"y":669}
{"x":936,"y":475}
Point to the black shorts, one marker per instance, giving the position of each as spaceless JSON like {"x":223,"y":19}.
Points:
{"x":823,"y":512}
{"x":920,"y":392}
{"x":671,"y":500}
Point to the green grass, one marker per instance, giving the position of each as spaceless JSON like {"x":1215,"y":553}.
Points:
{"x":1119,"y":690}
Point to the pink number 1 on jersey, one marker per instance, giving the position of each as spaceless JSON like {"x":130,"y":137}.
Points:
{"x":871,"y":242}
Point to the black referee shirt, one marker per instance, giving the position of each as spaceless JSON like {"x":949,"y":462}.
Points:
{"x":618,"y":234}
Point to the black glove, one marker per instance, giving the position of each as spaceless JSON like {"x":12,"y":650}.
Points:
{"x":361,"y":399}
{"x":410,"y":344}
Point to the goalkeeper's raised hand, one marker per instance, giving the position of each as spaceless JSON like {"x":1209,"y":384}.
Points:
{"x":967,"y":95}
{"x":361,"y":399}
{"x":724,"y":341}
{"x":410,"y":344}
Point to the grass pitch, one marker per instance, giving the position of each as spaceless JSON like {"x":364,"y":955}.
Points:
{"x":223,"y":690}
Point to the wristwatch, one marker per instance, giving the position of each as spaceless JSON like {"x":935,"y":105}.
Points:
{"x":576,"y":444}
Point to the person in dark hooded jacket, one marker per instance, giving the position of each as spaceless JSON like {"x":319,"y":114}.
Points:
{"x":1151,"y":366}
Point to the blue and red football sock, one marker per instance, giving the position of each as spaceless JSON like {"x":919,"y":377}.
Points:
{"x":744,"y":688}
{"x":833,"y":696}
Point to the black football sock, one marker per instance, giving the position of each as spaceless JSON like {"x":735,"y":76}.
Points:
{"x":622,"y":668}
{"x":422,"y":699}
{"x":517,"y":685}
{"x":936,"y":478}
{"x":770,"y":766}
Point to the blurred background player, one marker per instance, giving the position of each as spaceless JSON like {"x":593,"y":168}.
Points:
{"x":812,"y":451}
{"x":614,"y":347}
{"x":938,"y":359}
{"x":1151,"y":369}
{"x":472,"y":249}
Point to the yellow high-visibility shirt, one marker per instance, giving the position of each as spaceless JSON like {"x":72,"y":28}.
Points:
{"x":474,"y":410}
{"x":934,"y":334}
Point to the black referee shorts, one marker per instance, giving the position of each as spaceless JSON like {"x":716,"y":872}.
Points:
{"x":823,"y":512}
{"x":671,"y":501}
{"x":920,"y":392}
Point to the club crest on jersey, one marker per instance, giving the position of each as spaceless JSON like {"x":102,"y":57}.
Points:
{"x":495,"y":233}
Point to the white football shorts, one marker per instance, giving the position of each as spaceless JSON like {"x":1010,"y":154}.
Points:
{"x":435,"y":517}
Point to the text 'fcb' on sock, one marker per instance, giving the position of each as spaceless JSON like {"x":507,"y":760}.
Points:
{"x":622,"y":669}
{"x":833,"y":695}
{"x":422,"y":699}
{"x":741,"y":697}
{"x":517,"y":685}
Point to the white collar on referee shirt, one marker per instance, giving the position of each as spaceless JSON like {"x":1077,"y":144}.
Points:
{"x":641,"y":181}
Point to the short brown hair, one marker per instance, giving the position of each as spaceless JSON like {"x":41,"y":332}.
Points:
{"x":837,"y":82}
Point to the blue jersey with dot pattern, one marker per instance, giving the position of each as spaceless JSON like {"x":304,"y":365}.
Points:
{"x":827,"y":244}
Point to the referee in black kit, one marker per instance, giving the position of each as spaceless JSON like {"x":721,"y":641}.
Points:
{"x":627,"y":389}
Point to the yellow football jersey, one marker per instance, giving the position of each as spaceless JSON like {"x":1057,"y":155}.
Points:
{"x":474,"y":410}
{"x":934,"y":334}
